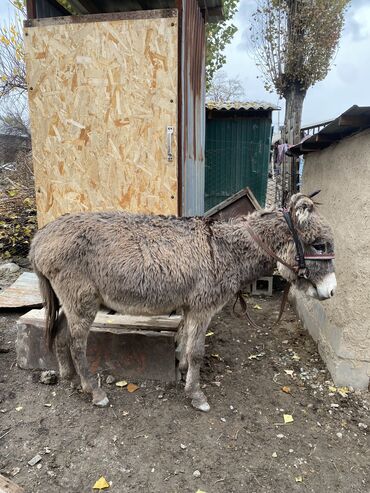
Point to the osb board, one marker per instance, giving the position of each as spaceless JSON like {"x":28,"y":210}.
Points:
{"x":101,"y":96}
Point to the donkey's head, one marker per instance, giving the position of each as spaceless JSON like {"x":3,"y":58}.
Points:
{"x":316,"y":274}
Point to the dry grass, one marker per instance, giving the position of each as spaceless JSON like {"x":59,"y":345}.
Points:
{"x":17,"y":208}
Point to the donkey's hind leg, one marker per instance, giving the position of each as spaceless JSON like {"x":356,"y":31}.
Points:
{"x":196,"y":327}
{"x":67,"y":370}
{"x":79,"y":327}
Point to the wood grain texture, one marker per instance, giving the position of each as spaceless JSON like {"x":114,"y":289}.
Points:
{"x":115,"y":321}
{"x":101,"y":95}
{"x":7,"y":486}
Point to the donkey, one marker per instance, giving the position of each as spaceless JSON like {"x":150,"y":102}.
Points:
{"x":146,"y":264}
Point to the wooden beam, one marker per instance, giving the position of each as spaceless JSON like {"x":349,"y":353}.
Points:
{"x":326,"y":137}
{"x":354,"y":121}
{"x":7,"y":486}
{"x":84,"y":6}
{"x":31,"y":9}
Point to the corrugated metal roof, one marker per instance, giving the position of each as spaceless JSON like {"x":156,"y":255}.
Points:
{"x":239,"y":105}
{"x":355,"y":119}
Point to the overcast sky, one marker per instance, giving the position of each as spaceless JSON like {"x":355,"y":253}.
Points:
{"x":346,"y":84}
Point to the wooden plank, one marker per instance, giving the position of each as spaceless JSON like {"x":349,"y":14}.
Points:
{"x":7,"y":486}
{"x":116,"y":321}
{"x":31,"y":9}
{"x":241,"y":203}
{"x":101,"y":96}
{"x":110,"y":16}
{"x":357,"y":121}
{"x":24,"y":292}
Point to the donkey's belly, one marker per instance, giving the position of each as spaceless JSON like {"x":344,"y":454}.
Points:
{"x":139,"y":307}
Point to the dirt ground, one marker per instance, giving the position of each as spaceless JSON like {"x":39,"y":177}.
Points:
{"x":153,"y":441}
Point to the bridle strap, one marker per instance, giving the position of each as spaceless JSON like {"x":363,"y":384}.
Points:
{"x":244,"y":306}
{"x":268,"y":250}
{"x":298,"y":244}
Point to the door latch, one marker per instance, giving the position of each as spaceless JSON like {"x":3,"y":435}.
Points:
{"x":170,"y":131}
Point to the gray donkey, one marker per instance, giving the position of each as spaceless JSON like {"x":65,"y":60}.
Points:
{"x":143,"y":264}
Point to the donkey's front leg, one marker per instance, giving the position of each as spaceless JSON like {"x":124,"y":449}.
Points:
{"x":79,"y":330}
{"x":196,"y":326}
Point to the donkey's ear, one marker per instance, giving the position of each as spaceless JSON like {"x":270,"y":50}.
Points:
{"x":313,"y":194}
{"x":302,"y":210}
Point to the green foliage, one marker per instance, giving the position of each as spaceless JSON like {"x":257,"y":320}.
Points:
{"x":295,"y":41}
{"x":219,"y":35}
{"x":12,"y":66}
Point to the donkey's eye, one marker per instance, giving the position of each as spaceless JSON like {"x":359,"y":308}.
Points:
{"x":321,"y":247}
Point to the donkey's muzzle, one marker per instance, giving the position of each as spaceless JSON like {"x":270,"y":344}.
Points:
{"x":326,"y":287}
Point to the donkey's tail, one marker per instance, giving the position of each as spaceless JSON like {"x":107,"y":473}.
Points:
{"x":52,"y":306}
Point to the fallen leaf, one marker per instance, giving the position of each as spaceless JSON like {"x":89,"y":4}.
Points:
{"x":216,"y":356}
{"x":101,"y":484}
{"x":200,"y":491}
{"x":299,"y":479}
{"x":286,"y":389}
{"x":343,"y":391}
{"x":288,"y":418}
{"x":47,"y":405}
{"x":295,"y":357}
{"x":121,"y":383}
{"x":210,"y":333}
{"x":257,"y":307}
{"x":132,"y":387}
{"x":289,"y":372}
{"x":332,"y":389}
{"x":256,"y":356}
{"x":274,"y":454}
{"x":19,"y":408}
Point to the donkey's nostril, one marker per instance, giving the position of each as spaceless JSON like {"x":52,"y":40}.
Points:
{"x":332,"y":293}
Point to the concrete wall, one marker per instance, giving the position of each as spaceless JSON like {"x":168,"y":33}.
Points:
{"x":341,"y":326}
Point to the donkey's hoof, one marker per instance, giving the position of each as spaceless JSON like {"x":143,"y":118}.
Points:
{"x":103,"y":403}
{"x":100,"y":398}
{"x":201,"y":406}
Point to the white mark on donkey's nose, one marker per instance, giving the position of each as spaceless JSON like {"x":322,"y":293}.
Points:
{"x":326,"y":288}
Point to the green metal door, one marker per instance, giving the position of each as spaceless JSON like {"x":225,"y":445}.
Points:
{"x":237,"y":156}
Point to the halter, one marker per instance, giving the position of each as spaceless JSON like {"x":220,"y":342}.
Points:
{"x":300,"y":269}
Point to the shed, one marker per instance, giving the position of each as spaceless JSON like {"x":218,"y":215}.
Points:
{"x":238,"y":140}
{"x":337,"y":162}
{"x":117,"y":97}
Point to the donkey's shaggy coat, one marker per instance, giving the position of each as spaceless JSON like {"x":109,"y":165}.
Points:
{"x":140,"y":264}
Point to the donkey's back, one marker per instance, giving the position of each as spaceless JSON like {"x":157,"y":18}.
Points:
{"x":133,"y":263}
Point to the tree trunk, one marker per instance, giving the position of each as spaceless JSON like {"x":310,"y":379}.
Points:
{"x":294,"y":96}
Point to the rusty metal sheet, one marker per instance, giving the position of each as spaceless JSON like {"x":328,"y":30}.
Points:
{"x":193,"y":108}
{"x":23,"y":293}
{"x":239,"y":204}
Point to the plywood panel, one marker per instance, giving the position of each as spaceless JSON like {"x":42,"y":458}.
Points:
{"x":101,"y":96}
